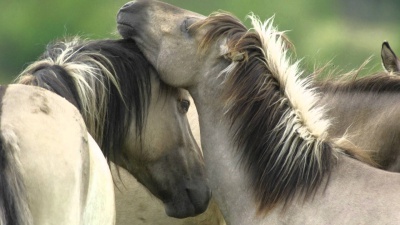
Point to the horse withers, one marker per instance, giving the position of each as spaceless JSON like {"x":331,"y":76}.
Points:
{"x":264,"y":141}
{"x":139,"y":122}
{"x":52,"y":171}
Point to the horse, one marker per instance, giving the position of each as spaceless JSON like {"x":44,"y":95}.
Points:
{"x":359,"y":105}
{"x":52,"y":171}
{"x":264,"y":140}
{"x":139,"y":122}
{"x":130,"y":197}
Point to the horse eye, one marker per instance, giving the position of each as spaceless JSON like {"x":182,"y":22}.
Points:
{"x":185,"y":104}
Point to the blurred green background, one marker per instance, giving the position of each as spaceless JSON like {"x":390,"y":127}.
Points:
{"x":343,"y":32}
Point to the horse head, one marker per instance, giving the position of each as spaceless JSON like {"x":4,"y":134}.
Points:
{"x":139,"y":122}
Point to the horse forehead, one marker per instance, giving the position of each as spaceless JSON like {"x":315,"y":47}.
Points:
{"x":153,"y":10}
{"x":173,"y":12}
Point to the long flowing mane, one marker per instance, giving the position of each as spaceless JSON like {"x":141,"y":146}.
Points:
{"x":273,"y":112}
{"x":107,"y":80}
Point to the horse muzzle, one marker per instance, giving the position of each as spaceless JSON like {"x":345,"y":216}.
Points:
{"x":191,"y":202}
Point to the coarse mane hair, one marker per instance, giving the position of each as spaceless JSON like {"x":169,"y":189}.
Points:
{"x":381,"y":82}
{"x":282,"y":134}
{"x":107,"y":80}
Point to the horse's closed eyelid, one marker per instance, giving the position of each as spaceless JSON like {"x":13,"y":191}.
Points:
{"x":185,"y":25}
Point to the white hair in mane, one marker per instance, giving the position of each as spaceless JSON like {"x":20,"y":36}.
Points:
{"x":300,"y":95}
{"x":85,"y":72}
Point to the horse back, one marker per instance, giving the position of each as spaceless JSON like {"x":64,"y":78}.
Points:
{"x":50,"y":141}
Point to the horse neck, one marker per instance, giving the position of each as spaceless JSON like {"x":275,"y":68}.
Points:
{"x":356,"y":114}
{"x":223,"y":156}
{"x":224,"y":161}
{"x":227,"y":178}
{"x":350,"y":103}
{"x":353,"y":111}
{"x":231,"y":188}
{"x":222,"y":166}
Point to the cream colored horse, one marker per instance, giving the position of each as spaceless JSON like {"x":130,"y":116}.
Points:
{"x":264,"y":141}
{"x":52,"y":171}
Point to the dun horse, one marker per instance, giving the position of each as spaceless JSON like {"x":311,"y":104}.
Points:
{"x":52,"y":171}
{"x":135,"y":205}
{"x":138,"y":121}
{"x":366,"y":110}
{"x":264,"y":141}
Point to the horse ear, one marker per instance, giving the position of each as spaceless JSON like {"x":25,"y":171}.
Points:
{"x":389,"y":59}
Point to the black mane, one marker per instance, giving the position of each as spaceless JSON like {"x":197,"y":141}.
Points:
{"x":126,"y":63}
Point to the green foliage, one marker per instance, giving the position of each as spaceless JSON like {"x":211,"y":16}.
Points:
{"x":337,"y":31}
{"x":26,"y":27}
